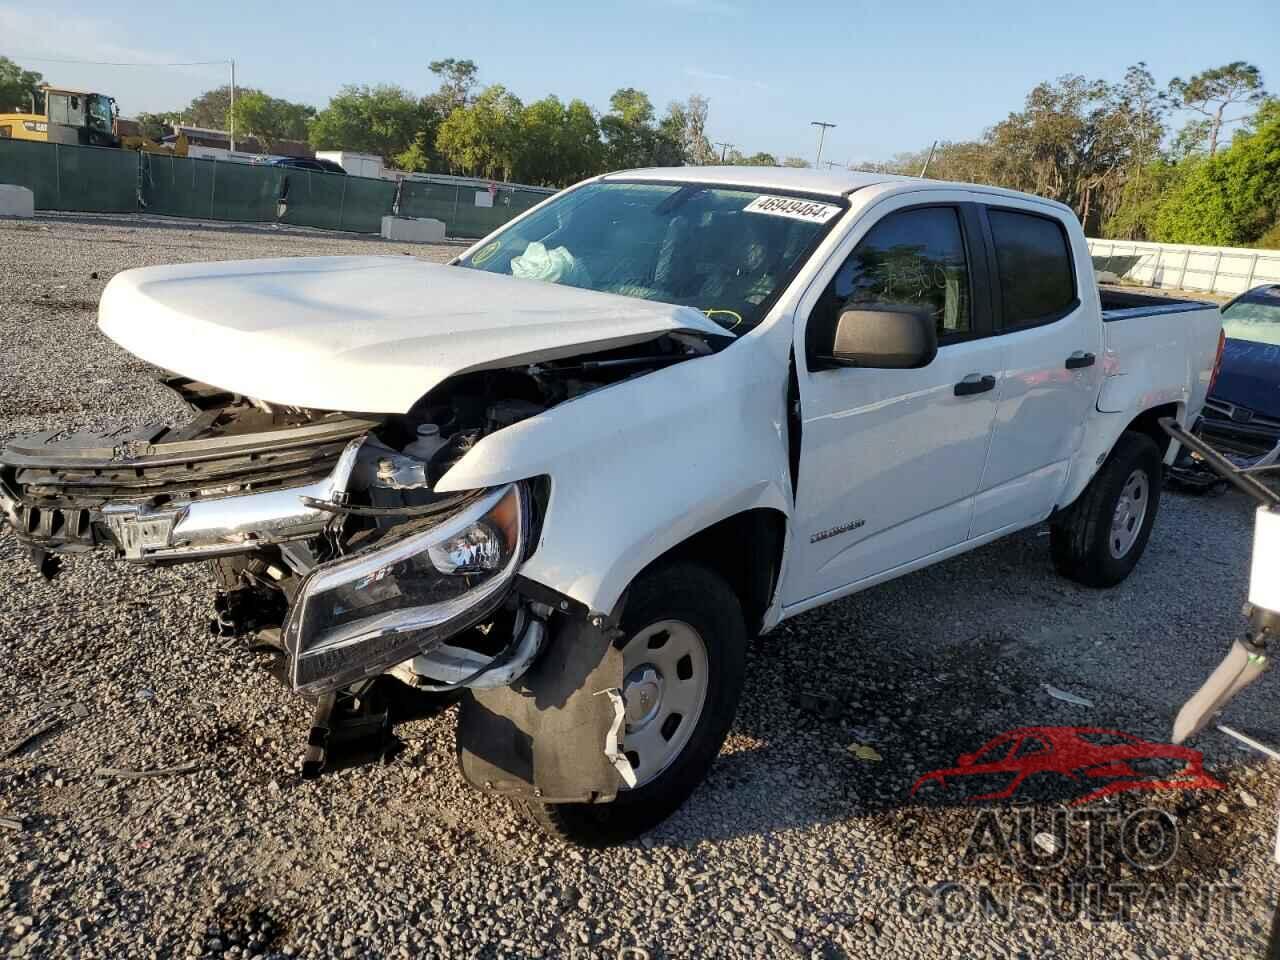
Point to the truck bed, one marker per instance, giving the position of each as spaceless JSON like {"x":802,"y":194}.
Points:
{"x":1122,"y":303}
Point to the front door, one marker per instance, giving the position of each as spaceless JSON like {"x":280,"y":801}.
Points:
{"x":892,"y":458}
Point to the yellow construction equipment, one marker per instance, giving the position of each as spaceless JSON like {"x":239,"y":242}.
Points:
{"x":80,"y":117}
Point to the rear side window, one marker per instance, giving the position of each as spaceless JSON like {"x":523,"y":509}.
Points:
{"x":1037,"y":284}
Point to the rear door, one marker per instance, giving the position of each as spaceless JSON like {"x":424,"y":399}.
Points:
{"x":892,"y":458}
{"x":1049,"y":326}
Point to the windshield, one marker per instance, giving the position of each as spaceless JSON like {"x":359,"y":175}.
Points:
{"x":100,"y":112}
{"x":727,"y":252}
{"x":1254,"y":317}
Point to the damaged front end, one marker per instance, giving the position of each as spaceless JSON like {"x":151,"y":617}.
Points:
{"x":327,"y":540}
{"x":330,"y":545}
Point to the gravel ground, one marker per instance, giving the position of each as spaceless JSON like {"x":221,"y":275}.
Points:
{"x":795,"y":845}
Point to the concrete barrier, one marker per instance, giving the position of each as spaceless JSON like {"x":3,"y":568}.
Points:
{"x":16,"y":201}
{"x":413,"y":229}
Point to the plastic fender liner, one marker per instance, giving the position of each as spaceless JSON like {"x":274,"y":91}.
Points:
{"x":544,"y":737}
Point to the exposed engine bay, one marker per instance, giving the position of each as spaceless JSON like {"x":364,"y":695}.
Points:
{"x":327,"y":538}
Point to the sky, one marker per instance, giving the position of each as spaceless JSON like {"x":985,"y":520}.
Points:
{"x":892,"y":76}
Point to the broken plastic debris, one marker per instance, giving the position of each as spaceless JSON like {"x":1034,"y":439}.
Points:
{"x":865,"y":752}
{"x":1065,"y":697}
{"x":613,"y":750}
{"x":32,"y":737}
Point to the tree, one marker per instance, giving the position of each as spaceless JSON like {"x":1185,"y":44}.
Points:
{"x":1230,"y":198}
{"x":210,"y":110}
{"x":629,"y":135}
{"x":697,"y":146}
{"x":800,"y":163}
{"x":19,"y":89}
{"x":557,"y":145}
{"x":157,"y":126}
{"x":481,"y":139}
{"x":755,"y":160}
{"x":382,"y":120}
{"x":1212,"y":93}
{"x":270,"y":120}
{"x":457,"y":80}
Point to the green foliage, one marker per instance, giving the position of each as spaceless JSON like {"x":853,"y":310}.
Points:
{"x":19,"y":89}
{"x":1231,"y":198}
{"x":382,"y":120}
{"x":457,"y":80}
{"x":210,"y":110}
{"x":481,"y":139}
{"x":269,"y":119}
{"x":755,"y":160}
{"x":1213,"y":92}
{"x":157,"y":126}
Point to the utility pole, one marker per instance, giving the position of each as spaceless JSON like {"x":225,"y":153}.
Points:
{"x":724,"y":148}
{"x":823,"y":127}
{"x":233,"y":106}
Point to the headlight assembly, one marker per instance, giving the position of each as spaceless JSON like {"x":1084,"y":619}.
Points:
{"x":358,"y":616}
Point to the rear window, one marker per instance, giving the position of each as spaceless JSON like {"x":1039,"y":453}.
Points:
{"x":1255,"y":316}
{"x":1037,"y":284}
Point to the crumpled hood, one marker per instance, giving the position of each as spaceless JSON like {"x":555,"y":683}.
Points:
{"x":362,"y":334}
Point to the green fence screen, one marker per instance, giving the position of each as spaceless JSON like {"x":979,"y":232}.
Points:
{"x":337,"y":202}
{"x":103,"y":180}
{"x":92,"y":179}
{"x":209,"y":189}
{"x":456,"y":205}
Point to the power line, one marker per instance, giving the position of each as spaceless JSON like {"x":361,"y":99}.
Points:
{"x":110,"y":63}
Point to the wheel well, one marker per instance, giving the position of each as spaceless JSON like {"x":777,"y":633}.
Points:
{"x":1148,"y":422}
{"x":745,"y":549}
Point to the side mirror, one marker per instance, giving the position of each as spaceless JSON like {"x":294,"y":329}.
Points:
{"x":887,"y":338}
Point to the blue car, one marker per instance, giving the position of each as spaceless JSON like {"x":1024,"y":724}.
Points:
{"x":1242,"y":413}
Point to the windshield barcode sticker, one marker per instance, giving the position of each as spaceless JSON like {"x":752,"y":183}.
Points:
{"x":793,"y":208}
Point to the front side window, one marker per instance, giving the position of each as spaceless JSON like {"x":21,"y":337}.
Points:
{"x":913,"y":258}
{"x":1254,"y":317}
{"x":1033,"y":261}
{"x":726,"y":252}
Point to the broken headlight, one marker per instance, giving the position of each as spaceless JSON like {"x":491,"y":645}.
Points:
{"x":358,"y":616}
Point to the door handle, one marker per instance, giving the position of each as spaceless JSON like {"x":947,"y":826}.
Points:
{"x":1080,"y":359}
{"x":975,"y":383}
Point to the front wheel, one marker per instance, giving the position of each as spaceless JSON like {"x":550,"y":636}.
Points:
{"x":684,"y":659}
{"x":1099,"y":539}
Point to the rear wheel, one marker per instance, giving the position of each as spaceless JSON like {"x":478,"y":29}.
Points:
{"x":1100,"y":538}
{"x":684,"y":659}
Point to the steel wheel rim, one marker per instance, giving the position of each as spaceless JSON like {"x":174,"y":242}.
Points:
{"x":666,"y":675}
{"x":1131,"y":511}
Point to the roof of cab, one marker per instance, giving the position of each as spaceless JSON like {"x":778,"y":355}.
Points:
{"x":831,"y":183}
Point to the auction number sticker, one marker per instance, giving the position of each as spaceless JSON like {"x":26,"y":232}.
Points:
{"x":791,"y":207}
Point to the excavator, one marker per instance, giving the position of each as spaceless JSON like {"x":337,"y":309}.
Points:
{"x":80,"y":118}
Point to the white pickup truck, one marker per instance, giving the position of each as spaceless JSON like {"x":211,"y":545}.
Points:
{"x":568,"y":475}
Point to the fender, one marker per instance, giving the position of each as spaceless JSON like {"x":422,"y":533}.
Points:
{"x":639,"y":467}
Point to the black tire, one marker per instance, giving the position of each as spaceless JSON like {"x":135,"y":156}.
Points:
{"x":702,"y":599}
{"x":1080,"y":536}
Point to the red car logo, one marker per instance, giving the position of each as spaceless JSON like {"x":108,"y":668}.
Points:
{"x":1082,"y":755}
